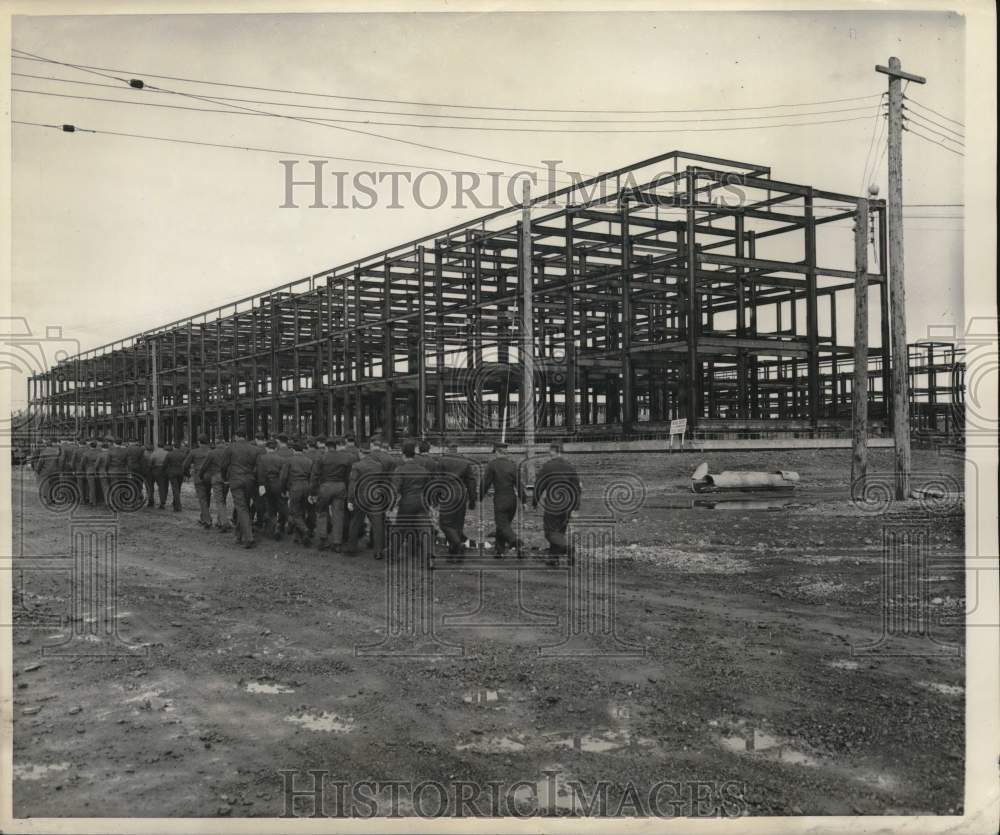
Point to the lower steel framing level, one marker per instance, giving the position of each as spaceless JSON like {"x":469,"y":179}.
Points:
{"x":681,"y":286}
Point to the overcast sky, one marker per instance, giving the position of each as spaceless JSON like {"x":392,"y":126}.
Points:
{"x":113,"y":235}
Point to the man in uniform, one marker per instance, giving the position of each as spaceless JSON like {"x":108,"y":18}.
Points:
{"x":298,"y":476}
{"x":313,"y":449}
{"x":92,"y":472}
{"x":350,"y":446}
{"x":135,"y":464}
{"x":158,"y":473}
{"x":462,"y":489}
{"x":366,"y":469}
{"x":78,"y":465}
{"x":116,"y":470}
{"x":271,"y":469}
{"x":203,"y":489}
{"x":284,"y":452}
{"x":239,"y":468}
{"x":329,"y":484}
{"x":46,"y":465}
{"x":174,"y":467}
{"x":210,"y":473}
{"x":409,"y":482}
{"x":558,"y":489}
{"x":503,"y":476}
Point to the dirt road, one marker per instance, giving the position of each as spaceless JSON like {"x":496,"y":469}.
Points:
{"x":737,"y":623}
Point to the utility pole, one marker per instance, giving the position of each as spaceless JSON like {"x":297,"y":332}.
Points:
{"x":156,"y":396}
{"x":859,"y":398}
{"x":528,"y":331}
{"x":897,"y":290}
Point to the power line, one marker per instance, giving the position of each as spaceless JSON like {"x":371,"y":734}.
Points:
{"x":924,"y":120}
{"x":463,"y":118}
{"x":139,"y":84}
{"x":907,"y":120}
{"x":877,"y":126}
{"x":31,"y":57}
{"x":932,"y":141}
{"x":303,"y":154}
{"x":932,"y":110}
{"x":335,"y":123}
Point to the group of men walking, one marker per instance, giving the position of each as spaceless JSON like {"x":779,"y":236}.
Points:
{"x":327,"y":490}
{"x":109,"y":472}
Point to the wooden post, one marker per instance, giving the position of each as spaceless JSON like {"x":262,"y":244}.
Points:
{"x":897,"y":286}
{"x":527,"y":398}
{"x":859,"y":396}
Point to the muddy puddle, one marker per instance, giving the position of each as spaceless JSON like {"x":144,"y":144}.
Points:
{"x":37,"y":772}
{"x":267,"y":688}
{"x":742,"y":738}
{"x":943,"y":689}
{"x":326,"y":721}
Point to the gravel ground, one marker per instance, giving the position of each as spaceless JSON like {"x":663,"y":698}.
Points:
{"x":737,"y":631}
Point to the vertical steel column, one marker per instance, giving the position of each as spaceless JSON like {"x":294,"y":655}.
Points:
{"x":439,"y":404}
{"x":693,"y":310}
{"x":812,"y":312}
{"x":628,"y":374}
{"x":421,"y":407}
{"x":569,"y":398}
{"x":859,"y":395}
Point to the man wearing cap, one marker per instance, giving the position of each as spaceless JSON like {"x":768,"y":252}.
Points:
{"x":148,"y":477}
{"x":409,"y":482}
{"x":92,"y":459}
{"x":350,"y":446}
{"x":136,"y":464}
{"x":298,"y":475}
{"x":313,"y":449}
{"x":462,"y":488}
{"x":158,"y":473}
{"x":174,"y":467}
{"x":239,"y":468}
{"x":329,"y":484}
{"x":558,"y":489}
{"x":503,"y":476}
{"x":203,"y":489}
{"x":424,"y":457}
{"x":271,"y":475}
{"x":382,"y":454}
{"x":284,"y":452}
{"x":47,"y":467}
{"x":364,"y":474}
{"x":210,"y":473}
{"x":77,"y":459}
{"x":116,"y":468}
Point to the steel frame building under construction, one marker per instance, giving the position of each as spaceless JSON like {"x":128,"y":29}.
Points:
{"x":683,"y":286}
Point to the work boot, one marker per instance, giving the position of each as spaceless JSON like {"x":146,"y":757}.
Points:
{"x":251,"y":544}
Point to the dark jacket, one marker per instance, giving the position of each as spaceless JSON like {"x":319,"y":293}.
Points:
{"x":211,"y":468}
{"x":388,"y":461}
{"x":47,"y":460}
{"x":135,"y":458}
{"x":503,"y":476}
{"x":239,"y":462}
{"x":557,"y":486}
{"x":195,"y":458}
{"x":175,"y":461}
{"x":464,"y":470}
{"x":92,"y":460}
{"x":298,"y":471}
{"x":334,"y":465}
{"x":118,"y":460}
{"x":272,"y":470}
{"x":409,"y":481}
{"x":367,"y":466}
